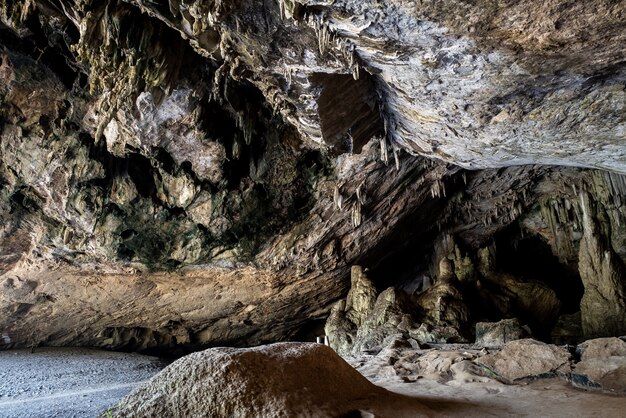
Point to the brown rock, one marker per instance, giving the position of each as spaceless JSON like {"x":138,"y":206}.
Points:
{"x":526,"y":358}
{"x":443,"y":304}
{"x":603,"y":306}
{"x":603,"y":361}
{"x":279,"y":380}
{"x":361,"y":297}
{"x":497,"y":334}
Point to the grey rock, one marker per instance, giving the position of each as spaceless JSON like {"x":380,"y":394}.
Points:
{"x":603,"y":362}
{"x":278,"y":380}
{"x":527,"y":358}
{"x":497,"y":334}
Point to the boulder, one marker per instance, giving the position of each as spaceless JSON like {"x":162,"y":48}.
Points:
{"x":425,"y":334}
{"x":278,"y":380}
{"x":497,"y":334}
{"x":603,"y":363}
{"x":527,"y":358}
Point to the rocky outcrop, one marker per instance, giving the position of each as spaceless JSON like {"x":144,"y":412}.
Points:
{"x":527,"y":358}
{"x":366,"y":319}
{"x":603,"y":364}
{"x":443,"y":304}
{"x":361,"y":297}
{"x":288,"y":379}
{"x":391,"y":315}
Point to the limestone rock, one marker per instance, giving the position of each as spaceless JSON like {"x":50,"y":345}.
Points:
{"x":603,"y":362}
{"x":390,"y":314}
{"x":426,"y":333}
{"x":361,"y":297}
{"x":603,"y":306}
{"x":168,"y":172}
{"x":526,"y":358}
{"x":279,"y":380}
{"x":497,"y":334}
{"x":443,"y":304}
{"x":340,"y":330}
{"x":602,"y":348}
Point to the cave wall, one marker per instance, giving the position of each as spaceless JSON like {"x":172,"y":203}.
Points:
{"x":191,"y":173}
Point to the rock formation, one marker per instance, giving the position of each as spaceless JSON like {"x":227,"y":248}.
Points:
{"x":278,"y":380}
{"x":189,"y":173}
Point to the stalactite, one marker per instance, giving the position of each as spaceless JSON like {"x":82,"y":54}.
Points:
{"x":396,"y":158}
{"x":384,"y":155}
{"x":360,"y":196}
{"x":356,"y":214}
{"x":337,"y":198}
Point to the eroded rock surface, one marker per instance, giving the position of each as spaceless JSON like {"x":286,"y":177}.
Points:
{"x":248,"y":154}
{"x":526,"y":358}
{"x":279,"y":380}
{"x":497,"y":334}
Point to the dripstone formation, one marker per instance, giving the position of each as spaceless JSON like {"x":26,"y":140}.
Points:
{"x":189,"y":173}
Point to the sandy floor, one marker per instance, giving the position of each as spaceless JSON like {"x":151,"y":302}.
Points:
{"x":68,"y":382}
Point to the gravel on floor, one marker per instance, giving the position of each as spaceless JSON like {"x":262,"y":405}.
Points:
{"x":68,"y":382}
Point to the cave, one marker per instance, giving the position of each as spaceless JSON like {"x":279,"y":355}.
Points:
{"x":312,"y":208}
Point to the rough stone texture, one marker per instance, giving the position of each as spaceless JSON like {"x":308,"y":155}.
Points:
{"x":279,"y":380}
{"x":603,"y":306}
{"x":427,"y":333}
{"x":443,"y":304}
{"x":391,"y":314}
{"x":361,"y":297}
{"x":602,"y":348}
{"x":158,"y":145}
{"x":497,"y":334}
{"x":603,"y":361}
{"x":526,"y":358}
{"x":340,"y":331}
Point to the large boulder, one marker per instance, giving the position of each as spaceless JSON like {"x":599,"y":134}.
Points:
{"x":603,"y":363}
{"x":278,"y":380}
{"x":527,"y":358}
{"x":497,"y":334}
{"x":425,"y":334}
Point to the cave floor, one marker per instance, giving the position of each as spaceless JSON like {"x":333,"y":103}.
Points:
{"x":467,"y":396}
{"x":68,"y":382}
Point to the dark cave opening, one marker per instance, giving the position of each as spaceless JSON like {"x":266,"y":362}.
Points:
{"x":348,"y":111}
{"x":531,"y":258}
